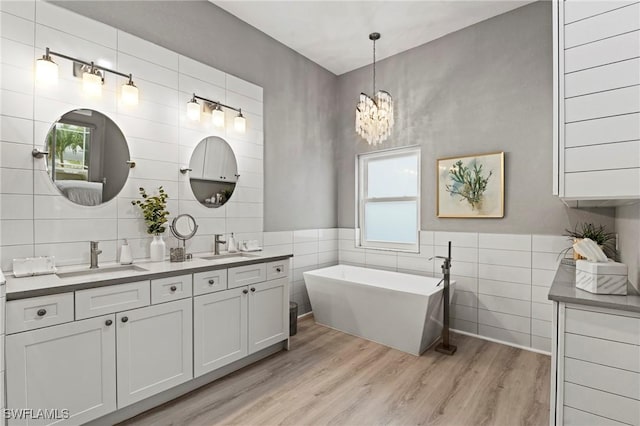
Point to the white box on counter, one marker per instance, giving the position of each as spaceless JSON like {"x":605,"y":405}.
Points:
{"x":602,"y":277}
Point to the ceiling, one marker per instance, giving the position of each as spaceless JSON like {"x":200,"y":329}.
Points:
{"x":335,"y":34}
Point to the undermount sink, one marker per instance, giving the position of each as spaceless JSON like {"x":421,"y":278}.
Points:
{"x":229,"y":256}
{"x":98,"y":271}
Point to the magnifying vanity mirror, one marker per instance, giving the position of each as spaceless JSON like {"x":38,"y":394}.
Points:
{"x":214,"y":172}
{"x":183,"y":227}
{"x":88,"y":157}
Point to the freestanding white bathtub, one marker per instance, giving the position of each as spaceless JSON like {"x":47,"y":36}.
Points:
{"x":402,"y":311}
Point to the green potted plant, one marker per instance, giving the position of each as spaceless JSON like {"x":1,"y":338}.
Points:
{"x":598,"y":234}
{"x":155,"y":213}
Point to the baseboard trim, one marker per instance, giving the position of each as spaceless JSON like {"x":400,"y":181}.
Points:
{"x":308,"y":314}
{"x":502,"y":342}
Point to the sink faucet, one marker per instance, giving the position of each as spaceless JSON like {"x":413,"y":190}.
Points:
{"x":94,"y":255}
{"x":216,"y":243}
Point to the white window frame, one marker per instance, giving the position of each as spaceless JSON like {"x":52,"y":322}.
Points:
{"x":362,"y":162}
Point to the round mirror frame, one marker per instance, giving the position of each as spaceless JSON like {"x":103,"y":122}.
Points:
{"x":90,"y":193}
{"x":213,"y":187}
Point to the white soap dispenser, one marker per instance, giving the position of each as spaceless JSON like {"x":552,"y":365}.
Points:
{"x":125,"y":254}
{"x":231,"y":245}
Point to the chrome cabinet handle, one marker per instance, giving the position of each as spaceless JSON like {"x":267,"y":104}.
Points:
{"x":211,"y":282}
{"x":278,"y":269}
{"x":253,"y":289}
{"x":245,"y":291}
{"x":108,"y":322}
{"x":124,"y":319}
{"x":42,"y":312}
{"x":173,"y":288}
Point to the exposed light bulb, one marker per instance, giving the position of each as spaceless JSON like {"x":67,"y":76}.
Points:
{"x":46,"y":70}
{"x":217,"y":117}
{"x":193,"y":110}
{"x":240,"y":123}
{"x":92,"y":83}
{"x":129,"y":93}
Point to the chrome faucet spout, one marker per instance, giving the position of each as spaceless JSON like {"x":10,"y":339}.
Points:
{"x":217,"y":241}
{"x":94,"y":254}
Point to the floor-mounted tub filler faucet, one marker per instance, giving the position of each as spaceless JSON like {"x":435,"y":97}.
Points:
{"x":94,"y":255}
{"x":445,"y":347}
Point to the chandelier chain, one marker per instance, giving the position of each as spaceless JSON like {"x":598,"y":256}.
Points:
{"x":374,"y":66}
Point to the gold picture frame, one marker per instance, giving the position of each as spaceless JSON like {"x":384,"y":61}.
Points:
{"x":470,"y":186}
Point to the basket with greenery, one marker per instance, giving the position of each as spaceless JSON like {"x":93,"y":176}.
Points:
{"x":598,"y":234}
{"x":154,"y":210}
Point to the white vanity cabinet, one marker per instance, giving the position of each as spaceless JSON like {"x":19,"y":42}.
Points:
{"x":219,"y":329}
{"x":232,"y":324}
{"x":154,"y":350}
{"x":95,"y":351}
{"x":596,"y":99}
{"x":70,"y":366}
{"x":595,"y":366}
{"x":268,"y":313}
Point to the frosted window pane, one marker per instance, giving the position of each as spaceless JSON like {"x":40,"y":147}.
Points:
{"x":394,"y":222}
{"x":393,"y":177}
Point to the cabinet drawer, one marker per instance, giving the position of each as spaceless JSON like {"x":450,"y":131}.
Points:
{"x":277,"y":269}
{"x":171,"y":288}
{"x":602,"y":404}
{"x":245,"y":275}
{"x":603,"y":326}
{"x":37,"y":312}
{"x":209,"y":281}
{"x":94,"y":302}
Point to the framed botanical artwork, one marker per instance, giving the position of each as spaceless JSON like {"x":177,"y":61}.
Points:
{"x":471,"y":186}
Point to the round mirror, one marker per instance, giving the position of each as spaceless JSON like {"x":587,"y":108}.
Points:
{"x":184,"y":227}
{"x":88,"y":157}
{"x":214,"y":172}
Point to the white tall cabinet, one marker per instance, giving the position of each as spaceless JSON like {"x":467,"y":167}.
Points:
{"x":596,"y":99}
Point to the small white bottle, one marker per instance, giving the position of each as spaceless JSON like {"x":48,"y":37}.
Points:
{"x":125,"y":254}
{"x":231,"y":245}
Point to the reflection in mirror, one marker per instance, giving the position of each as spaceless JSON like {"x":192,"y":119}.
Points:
{"x":88,"y":157}
{"x":214,"y":172}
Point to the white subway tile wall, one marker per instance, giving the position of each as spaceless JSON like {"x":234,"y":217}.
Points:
{"x":35,"y":218}
{"x":502,"y":280}
{"x":312,"y":249}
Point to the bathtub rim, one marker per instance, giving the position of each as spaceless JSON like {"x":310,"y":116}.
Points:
{"x":435,"y":290}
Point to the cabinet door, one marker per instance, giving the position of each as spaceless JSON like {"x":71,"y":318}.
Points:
{"x":197,"y":161}
{"x":154,"y":350}
{"x":268,"y":314}
{"x":214,"y":160}
{"x":220,"y":329}
{"x":70,"y":366}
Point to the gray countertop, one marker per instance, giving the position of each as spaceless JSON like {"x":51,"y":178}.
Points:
{"x":20,"y":288}
{"x":564,"y":290}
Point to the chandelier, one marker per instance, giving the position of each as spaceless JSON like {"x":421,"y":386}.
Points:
{"x":374,"y":116}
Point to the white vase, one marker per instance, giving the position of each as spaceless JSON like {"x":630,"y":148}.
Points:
{"x":157,"y":249}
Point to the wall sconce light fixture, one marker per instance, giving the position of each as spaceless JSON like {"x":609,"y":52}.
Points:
{"x":194,"y":111}
{"x":92,"y":76}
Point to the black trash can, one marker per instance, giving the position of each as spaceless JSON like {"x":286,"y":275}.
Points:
{"x":293,"y":318}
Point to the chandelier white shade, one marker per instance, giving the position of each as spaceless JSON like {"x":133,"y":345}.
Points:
{"x":374,"y":116}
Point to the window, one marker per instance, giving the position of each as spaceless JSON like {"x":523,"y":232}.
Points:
{"x":389,"y":199}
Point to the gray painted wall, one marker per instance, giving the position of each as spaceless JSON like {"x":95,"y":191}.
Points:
{"x":300,"y":179}
{"x":485,"y":88}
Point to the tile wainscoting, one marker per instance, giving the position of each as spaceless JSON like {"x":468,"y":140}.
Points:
{"x":502,"y":279}
{"x":312,"y":249}
{"x":36,"y":219}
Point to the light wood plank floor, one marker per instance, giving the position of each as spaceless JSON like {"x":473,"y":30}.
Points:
{"x":333,"y":378}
